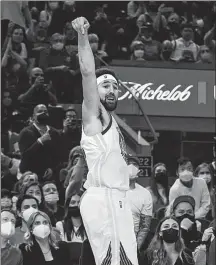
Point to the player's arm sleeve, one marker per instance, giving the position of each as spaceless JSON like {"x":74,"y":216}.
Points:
{"x":205,"y":202}
{"x":145,"y":220}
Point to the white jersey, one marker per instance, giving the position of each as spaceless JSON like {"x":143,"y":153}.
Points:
{"x":106,"y":158}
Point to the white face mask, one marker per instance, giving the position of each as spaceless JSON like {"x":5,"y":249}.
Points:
{"x":27,"y":213}
{"x":206,"y":177}
{"x":41,"y":231}
{"x":52,"y":198}
{"x":139,"y":53}
{"x":186,"y":175}
{"x":7,"y":229}
{"x":58,"y":46}
{"x":133,"y":171}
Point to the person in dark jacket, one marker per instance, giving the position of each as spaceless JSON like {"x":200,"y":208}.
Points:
{"x":42,"y":247}
{"x":39,"y":144}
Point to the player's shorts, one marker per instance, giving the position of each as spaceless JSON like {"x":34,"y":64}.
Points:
{"x":108,"y":221}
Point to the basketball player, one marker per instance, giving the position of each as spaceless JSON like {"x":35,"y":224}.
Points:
{"x":105,"y":211}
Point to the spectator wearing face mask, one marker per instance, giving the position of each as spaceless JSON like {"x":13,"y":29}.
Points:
{"x":187,"y":184}
{"x":10,"y":255}
{"x":152,"y":48}
{"x":72,"y":229}
{"x":42,"y":246}
{"x":59,"y":67}
{"x":159,"y":187}
{"x":204,"y":171}
{"x":38,"y":93}
{"x":26,"y":205}
{"x":205,"y":55}
{"x":6,"y":199}
{"x":51,"y":199}
{"x":137,"y":48}
{"x":184,"y":48}
{"x":167,"y":246}
{"x":39,"y":144}
{"x":141,"y":204}
{"x":183,"y":209}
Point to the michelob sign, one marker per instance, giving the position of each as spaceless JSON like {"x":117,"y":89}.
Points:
{"x":167,"y":92}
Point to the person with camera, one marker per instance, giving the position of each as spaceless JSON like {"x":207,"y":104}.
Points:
{"x":39,"y":92}
{"x":39,"y":144}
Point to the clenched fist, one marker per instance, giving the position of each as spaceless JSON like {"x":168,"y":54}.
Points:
{"x":81,"y":25}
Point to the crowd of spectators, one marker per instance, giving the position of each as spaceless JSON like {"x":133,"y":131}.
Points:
{"x":43,"y":167}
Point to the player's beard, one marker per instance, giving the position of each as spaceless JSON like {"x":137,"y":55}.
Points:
{"x":109,"y":105}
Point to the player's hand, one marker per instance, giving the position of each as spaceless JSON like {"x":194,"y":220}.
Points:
{"x":81,"y":25}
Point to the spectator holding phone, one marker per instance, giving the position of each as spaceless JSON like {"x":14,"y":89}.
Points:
{"x":184,"y":48}
{"x":39,"y":92}
{"x":152,"y":48}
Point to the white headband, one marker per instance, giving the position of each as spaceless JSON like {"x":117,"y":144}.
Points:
{"x":105,"y":77}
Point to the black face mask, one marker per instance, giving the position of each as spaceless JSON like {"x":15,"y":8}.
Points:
{"x":184,"y":216}
{"x":170,"y":235}
{"x":161,"y":178}
{"x":43,"y":118}
{"x":74,"y":211}
{"x":187,"y":184}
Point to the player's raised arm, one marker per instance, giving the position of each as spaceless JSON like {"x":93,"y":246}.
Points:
{"x":91,"y":103}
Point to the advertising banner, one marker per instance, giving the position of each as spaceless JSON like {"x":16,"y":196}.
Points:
{"x":167,"y":92}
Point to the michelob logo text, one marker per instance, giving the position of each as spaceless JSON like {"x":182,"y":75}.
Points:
{"x":148,"y":92}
